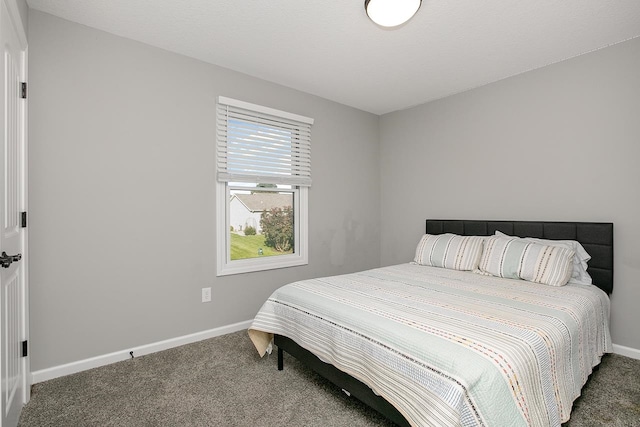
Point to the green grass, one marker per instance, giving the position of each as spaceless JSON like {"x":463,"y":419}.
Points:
{"x":247,"y":247}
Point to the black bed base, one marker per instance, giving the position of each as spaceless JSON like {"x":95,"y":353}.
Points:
{"x":354,"y":387}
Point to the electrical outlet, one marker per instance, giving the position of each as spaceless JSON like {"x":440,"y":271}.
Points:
{"x":206,"y":294}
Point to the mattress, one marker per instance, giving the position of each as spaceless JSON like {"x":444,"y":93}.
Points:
{"x":448,"y":347}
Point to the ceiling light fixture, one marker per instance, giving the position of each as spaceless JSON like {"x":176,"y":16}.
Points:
{"x":391,"y":13}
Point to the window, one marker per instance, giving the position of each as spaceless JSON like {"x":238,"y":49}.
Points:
{"x":263,"y":160}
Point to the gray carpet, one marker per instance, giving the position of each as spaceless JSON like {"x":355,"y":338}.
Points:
{"x":223,"y":382}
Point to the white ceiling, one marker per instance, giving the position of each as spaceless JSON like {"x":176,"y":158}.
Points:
{"x":330,"y":48}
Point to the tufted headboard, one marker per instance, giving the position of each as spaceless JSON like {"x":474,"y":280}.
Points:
{"x":595,"y":237}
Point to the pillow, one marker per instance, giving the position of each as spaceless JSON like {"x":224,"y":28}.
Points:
{"x":579,"y":273}
{"x":516,"y":258}
{"x":449,"y":251}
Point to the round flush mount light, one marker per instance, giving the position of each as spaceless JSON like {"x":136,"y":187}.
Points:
{"x":391,"y":13}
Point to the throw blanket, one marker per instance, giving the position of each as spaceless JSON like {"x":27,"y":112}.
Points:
{"x":448,"y":347}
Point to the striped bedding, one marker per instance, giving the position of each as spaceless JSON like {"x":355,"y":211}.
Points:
{"x":449,"y":347}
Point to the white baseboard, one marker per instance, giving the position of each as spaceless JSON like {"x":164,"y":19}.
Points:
{"x":106,"y":359}
{"x":626,"y":351}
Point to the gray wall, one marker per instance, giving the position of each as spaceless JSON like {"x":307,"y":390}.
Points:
{"x":23,"y":10}
{"x":558,"y":143}
{"x":121,"y":176}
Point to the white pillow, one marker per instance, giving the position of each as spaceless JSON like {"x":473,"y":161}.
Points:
{"x":449,"y":251}
{"x":580,"y":259}
{"x":516,"y":258}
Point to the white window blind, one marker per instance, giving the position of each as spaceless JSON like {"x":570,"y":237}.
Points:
{"x":262,"y":145}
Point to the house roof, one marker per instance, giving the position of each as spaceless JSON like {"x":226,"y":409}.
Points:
{"x":258,"y":202}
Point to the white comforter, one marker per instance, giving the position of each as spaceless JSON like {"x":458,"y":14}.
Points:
{"x":447,"y":347}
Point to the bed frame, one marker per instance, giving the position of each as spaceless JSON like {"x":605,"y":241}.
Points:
{"x":595,"y":237}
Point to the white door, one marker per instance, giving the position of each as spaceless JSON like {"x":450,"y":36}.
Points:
{"x":13,"y":296}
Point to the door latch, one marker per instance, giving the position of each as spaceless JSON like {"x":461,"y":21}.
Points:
{"x":6,"y":260}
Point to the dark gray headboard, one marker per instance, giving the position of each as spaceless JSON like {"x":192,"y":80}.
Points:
{"x":595,"y":237}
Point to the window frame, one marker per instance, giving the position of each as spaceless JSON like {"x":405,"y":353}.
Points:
{"x":224,"y":265}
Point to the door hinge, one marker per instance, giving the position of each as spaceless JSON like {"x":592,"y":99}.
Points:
{"x":23,"y":219}
{"x":25,"y":345}
{"x":23,"y":90}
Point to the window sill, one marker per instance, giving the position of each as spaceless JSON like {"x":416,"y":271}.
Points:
{"x":261,"y":264}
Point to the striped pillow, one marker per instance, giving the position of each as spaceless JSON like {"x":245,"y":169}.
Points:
{"x":516,"y":258}
{"x":449,"y":251}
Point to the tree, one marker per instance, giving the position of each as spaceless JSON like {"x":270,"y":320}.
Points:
{"x":277,"y":227}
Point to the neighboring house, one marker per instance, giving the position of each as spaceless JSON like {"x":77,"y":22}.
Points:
{"x":245,"y":209}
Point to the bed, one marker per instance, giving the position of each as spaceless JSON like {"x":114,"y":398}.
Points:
{"x":425,"y":345}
